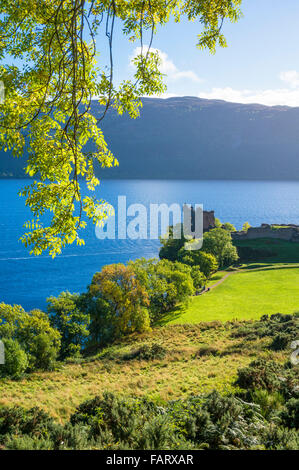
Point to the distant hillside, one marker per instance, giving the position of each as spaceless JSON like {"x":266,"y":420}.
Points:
{"x":193,"y":138}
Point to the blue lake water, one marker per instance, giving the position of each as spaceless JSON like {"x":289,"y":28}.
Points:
{"x":29,"y":280}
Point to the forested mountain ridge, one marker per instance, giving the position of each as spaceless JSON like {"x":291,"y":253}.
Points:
{"x":194,"y":138}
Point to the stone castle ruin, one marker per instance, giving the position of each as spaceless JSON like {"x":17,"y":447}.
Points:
{"x":287,"y":232}
{"x":208,"y":219}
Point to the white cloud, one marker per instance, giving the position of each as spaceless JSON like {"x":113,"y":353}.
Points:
{"x":291,"y":77}
{"x":164,"y":95}
{"x":271,"y":97}
{"x":167,"y":66}
{"x":280,"y":96}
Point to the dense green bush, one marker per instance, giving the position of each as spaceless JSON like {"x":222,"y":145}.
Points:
{"x":19,"y":421}
{"x":218,"y":422}
{"x":33,"y":332}
{"x":206,"y":262}
{"x":218,"y":242}
{"x":260,"y":374}
{"x":28,"y":443}
{"x":290,"y":416}
{"x":270,"y":403}
{"x":16,"y":361}
{"x":281,"y":328}
{"x":271,"y":376}
{"x":147,"y":352}
{"x":171,"y":246}
{"x":167,"y":284}
{"x":280,"y":438}
{"x":280,"y":341}
{"x":213,"y":422}
{"x":134,"y":422}
{"x":69,"y":319}
{"x":112,"y":421}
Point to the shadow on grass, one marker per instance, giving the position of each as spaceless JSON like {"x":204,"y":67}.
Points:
{"x":173,"y":314}
{"x":285,"y":251}
{"x":257,"y":266}
{"x":269,"y":267}
{"x":216,"y":277}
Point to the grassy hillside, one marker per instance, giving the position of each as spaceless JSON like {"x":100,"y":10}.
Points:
{"x":244,"y":295}
{"x":198,"y":359}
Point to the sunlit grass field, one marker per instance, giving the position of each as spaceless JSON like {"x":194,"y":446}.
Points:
{"x":180,"y":373}
{"x":248,"y":293}
{"x":244,"y":295}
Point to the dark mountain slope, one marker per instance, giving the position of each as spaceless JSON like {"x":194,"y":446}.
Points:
{"x":195,"y":138}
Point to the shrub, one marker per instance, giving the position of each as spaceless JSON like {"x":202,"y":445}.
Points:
{"x":281,"y":328}
{"x":71,"y":437}
{"x":271,"y":376}
{"x":27,"y":443}
{"x":290,"y":416}
{"x":116,"y":422}
{"x":159,"y":432}
{"x":147,"y":352}
{"x":190,"y":418}
{"x":280,"y":342}
{"x":260,"y":374}
{"x":280,"y":438}
{"x":129,"y":423}
{"x":33,"y":332}
{"x":218,"y":422}
{"x":17,"y":420}
{"x":198,"y":277}
{"x":16,"y":361}
{"x":67,"y":317}
{"x":114,"y":416}
{"x":43,"y":352}
{"x":269,"y":402}
{"x":206,"y":262}
{"x":207,"y":351}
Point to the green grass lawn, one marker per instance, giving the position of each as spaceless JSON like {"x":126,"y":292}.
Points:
{"x":244,"y":295}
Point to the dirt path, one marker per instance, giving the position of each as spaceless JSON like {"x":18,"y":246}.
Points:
{"x":261,"y":268}
{"x":219,"y":282}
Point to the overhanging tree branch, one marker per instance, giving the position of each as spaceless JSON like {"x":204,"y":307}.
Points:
{"x":48,"y":97}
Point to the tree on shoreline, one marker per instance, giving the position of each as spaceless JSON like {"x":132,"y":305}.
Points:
{"x":126,"y":299}
{"x":33,"y":333}
{"x":49,"y":68}
{"x":66,"y":316}
{"x":218,"y":242}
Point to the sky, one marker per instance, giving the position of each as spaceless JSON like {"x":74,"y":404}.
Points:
{"x":260,"y":64}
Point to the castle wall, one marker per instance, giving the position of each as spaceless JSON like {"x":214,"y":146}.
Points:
{"x":287,"y":233}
